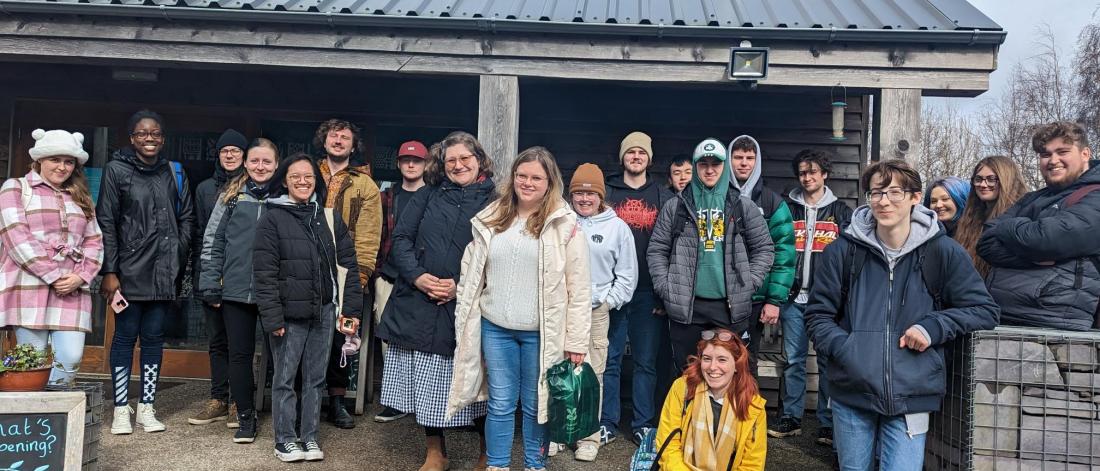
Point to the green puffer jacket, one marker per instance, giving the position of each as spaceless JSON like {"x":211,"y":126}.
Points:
{"x":777,"y":285}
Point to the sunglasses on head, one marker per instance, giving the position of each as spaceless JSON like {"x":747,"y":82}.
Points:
{"x":724,"y":336}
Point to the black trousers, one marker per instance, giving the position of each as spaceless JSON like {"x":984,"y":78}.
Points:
{"x":240,"y":325}
{"x":219,"y":353}
{"x":706,"y":314}
{"x":755,"y":334}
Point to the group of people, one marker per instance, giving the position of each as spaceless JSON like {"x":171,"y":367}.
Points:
{"x":480,"y":281}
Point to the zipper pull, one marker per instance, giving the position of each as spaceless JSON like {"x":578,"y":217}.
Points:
{"x":891,"y":274}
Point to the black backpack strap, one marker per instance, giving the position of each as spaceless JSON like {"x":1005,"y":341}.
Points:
{"x":931,"y":272}
{"x":688,"y":396}
{"x":854,"y":258}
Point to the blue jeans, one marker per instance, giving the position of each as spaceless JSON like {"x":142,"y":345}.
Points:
{"x":144,"y":319}
{"x":511,"y":381}
{"x":636,"y":320}
{"x":795,"y":346}
{"x":68,"y":350}
{"x":857,"y":432}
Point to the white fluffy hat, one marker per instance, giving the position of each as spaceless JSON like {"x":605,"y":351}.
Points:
{"x":58,"y":142}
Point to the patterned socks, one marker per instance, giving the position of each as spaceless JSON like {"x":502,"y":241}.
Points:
{"x":121,"y":376}
{"x":150,"y":372}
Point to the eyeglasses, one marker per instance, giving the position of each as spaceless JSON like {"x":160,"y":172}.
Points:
{"x":463,"y":159}
{"x":231,"y":151}
{"x":895,"y":195}
{"x":147,"y":134}
{"x":724,"y":335}
{"x":991,"y":180}
{"x":308,"y":177}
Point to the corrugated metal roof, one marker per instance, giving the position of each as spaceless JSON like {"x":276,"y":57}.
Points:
{"x":929,"y":21}
{"x":847,"y":14}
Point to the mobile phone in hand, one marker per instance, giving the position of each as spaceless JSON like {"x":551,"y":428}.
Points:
{"x":118,"y":303}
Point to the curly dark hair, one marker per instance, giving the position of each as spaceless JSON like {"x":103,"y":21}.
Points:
{"x":822,"y":158}
{"x":358,"y":147}
{"x":1070,"y":132}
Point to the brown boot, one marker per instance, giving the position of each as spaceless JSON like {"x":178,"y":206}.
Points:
{"x":435,"y":461}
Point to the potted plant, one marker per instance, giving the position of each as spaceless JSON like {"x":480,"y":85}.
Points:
{"x":25,"y":368}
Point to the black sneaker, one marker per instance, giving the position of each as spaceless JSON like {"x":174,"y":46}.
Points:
{"x":289,"y":452}
{"x":640,"y":434}
{"x":389,"y":414}
{"x":246,"y":433}
{"x":825,"y":436}
{"x":338,"y":414}
{"x":313,"y":451}
{"x":788,"y":427}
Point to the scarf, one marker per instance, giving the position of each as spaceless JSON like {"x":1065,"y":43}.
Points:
{"x":701,"y":452}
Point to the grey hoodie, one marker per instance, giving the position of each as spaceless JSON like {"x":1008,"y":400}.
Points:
{"x":613,"y":264}
{"x":924,"y":227}
{"x":754,"y":177}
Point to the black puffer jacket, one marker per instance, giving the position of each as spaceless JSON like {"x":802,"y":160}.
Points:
{"x":1037,"y":230}
{"x":430,"y":237}
{"x":147,"y":225}
{"x":294,"y":264}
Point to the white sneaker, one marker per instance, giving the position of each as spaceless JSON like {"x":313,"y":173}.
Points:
{"x":121,"y":424}
{"x":554,"y":448}
{"x":147,"y":418}
{"x":586,"y":451}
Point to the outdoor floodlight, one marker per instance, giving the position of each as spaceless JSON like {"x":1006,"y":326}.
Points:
{"x":748,"y":63}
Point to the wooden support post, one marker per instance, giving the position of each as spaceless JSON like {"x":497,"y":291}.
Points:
{"x":498,"y":119}
{"x":898,"y":123}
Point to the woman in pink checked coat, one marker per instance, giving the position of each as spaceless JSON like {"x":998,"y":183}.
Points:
{"x":52,"y":249}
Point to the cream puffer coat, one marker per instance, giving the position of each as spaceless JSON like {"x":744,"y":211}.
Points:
{"x":565,"y":307}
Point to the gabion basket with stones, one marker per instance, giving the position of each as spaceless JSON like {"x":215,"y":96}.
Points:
{"x":1019,"y":399}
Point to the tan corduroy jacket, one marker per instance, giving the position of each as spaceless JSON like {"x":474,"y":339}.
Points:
{"x":565,"y":307}
{"x":360,"y":206}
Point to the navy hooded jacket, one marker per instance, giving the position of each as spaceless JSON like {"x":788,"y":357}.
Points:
{"x":867,"y":368}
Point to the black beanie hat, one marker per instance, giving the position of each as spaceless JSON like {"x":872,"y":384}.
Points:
{"x":232,"y":138}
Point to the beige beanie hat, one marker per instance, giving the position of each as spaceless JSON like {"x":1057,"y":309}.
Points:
{"x":636,"y":139}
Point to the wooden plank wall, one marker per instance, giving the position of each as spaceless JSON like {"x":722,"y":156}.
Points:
{"x":585,"y":122}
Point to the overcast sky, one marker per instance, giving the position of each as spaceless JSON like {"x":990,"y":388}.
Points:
{"x":1021,"y":18}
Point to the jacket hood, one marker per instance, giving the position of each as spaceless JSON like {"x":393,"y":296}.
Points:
{"x":924,"y":228}
{"x":798,"y":196}
{"x":284,"y":202}
{"x":598,"y":218}
{"x":127,"y":154}
{"x":754,"y":177}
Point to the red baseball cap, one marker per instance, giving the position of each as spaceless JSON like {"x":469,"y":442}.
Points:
{"x":413,"y":149}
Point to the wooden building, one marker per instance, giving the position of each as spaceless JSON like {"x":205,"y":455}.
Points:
{"x":574,"y":76}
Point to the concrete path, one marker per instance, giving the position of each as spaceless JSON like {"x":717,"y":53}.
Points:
{"x":370,"y":446}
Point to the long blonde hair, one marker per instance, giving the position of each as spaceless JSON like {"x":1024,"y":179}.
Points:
{"x":234,"y":186}
{"x":76,"y":186}
{"x":508,"y":203}
{"x":977,"y":212}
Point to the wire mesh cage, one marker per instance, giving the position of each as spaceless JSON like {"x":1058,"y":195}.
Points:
{"x":1019,"y":399}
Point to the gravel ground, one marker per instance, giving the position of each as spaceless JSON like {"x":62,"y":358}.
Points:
{"x":395,"y":446}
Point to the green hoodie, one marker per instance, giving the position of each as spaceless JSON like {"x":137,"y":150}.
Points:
{"x":710,"y":204}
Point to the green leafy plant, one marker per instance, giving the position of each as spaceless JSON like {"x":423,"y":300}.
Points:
{"x":26,"y":357}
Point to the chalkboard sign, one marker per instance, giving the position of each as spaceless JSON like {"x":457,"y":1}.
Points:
{"x":41,"y":431}
{"x":32,"y":442}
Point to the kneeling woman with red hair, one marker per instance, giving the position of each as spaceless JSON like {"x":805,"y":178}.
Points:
{"x":713,"y":417}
